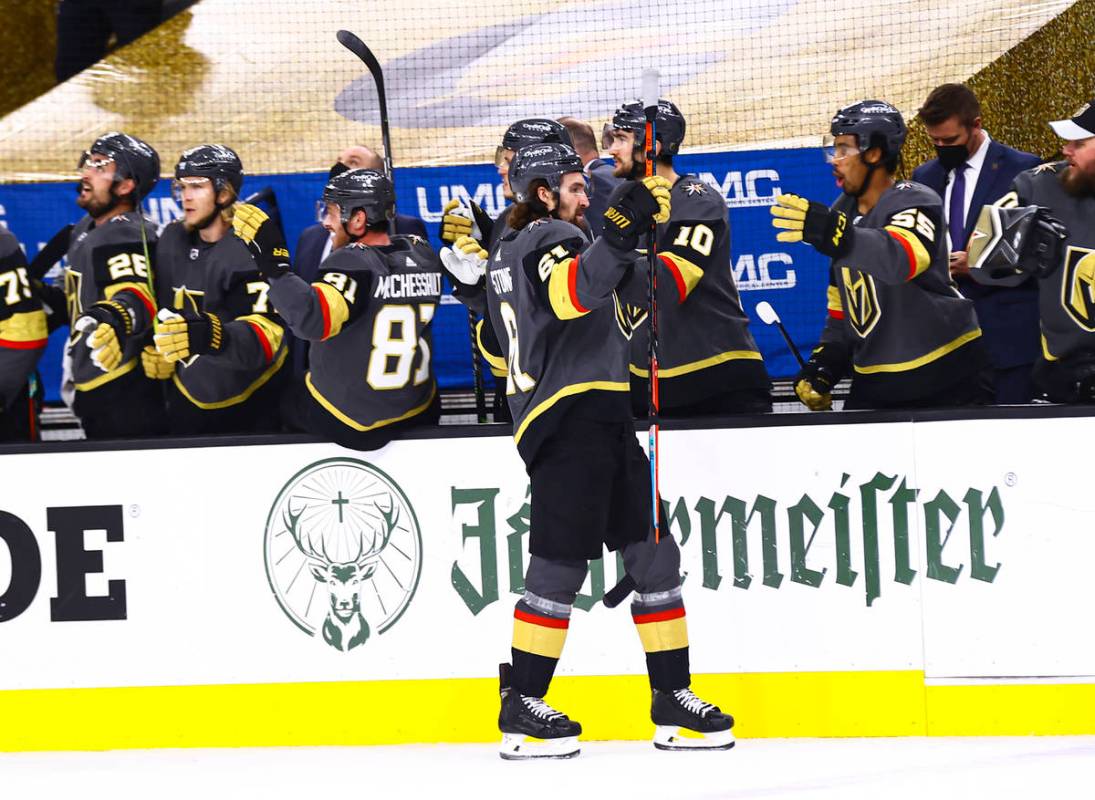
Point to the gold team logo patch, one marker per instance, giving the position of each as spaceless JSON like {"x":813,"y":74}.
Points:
{"x":862,"y":301}
{"x":1078,"y":286}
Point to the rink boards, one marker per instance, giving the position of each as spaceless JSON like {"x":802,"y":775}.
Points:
{"x":882,"y":578}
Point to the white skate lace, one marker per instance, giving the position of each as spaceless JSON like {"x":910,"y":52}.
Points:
{"x":539,"y":708}
{"x":692,"y":703}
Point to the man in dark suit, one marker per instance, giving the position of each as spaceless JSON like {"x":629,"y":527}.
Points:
{"x":972,"y":171}
{"x":599,"y":171}
{"x":314,"y":243}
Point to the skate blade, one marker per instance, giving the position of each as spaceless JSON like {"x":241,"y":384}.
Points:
{"x":670,"y":737}
{"x":518,"y":747}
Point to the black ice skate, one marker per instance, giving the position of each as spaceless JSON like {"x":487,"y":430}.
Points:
{"x":531,"y":728}
{"x":684,"y":722}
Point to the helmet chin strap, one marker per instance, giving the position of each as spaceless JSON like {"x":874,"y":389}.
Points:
{"x":866,"y":180}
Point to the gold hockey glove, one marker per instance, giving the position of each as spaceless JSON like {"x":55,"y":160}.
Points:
{"x":465,"y":262}
{"x":182,"y":337}
{"x":107,"y":324}
{"x":802,"y":220}
{"x":155,"y":366}
{"x":814,"y":386}
{"x":263,"y":238}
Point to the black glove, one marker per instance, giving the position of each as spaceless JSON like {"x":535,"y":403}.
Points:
{"x":263,"y":238}
{"x":829,"y":232}
{"x":632,"y":207}
{"x":178,"y":337}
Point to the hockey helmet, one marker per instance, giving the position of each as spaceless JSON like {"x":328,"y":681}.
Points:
{"x":366,"y":189}
{"x":668,"y":126}
{"x":546,"y":162}
{"x":216,"y":162}
{"x":535,"y":130}
{"x":874,"y":123}
{"x":133,"y":158}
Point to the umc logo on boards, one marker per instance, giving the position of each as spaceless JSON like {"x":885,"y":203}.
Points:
{"x":75,"y":563}
{"x":343,"y":551}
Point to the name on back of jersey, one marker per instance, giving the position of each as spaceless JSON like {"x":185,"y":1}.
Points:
{"x":501,"y":280}
{"x":405,"y":286}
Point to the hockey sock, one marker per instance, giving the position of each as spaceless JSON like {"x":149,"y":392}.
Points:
{"x":660,"y":620}
{"x":538,"y":638}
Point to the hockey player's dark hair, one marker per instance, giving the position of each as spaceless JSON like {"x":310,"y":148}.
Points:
{"x":531,"y":209}
{"x":950,"y":100}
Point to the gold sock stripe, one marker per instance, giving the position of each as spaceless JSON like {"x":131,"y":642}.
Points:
{"x":542,"y":636}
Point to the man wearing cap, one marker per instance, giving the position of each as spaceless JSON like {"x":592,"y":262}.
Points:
{"x":1065,"y":265}
{"x":973,"y":170}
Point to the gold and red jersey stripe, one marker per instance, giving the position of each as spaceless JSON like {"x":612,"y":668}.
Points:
{"x":919,"y":258}
{"x":685,"y":274}
{"x":563,"y":290}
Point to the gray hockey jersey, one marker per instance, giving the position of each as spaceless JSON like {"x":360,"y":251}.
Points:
{"x":368,"y":317}
{"x":1066,"y":296}
{"x":108,"y":262}
{"x":222,"y":279}
{"x":704,"y":343}
{"x":892,"y":301}
{"x":567,"y":310}
{"x":23,"y":333}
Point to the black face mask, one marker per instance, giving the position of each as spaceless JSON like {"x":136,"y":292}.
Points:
{"x":952,"y":156}
{"x":337,"y":169}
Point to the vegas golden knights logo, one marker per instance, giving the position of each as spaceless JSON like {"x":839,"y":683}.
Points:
{"x":1078,"y":286}
{"x":863,"y":309}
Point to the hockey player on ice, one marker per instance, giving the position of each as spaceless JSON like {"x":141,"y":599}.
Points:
{"x":568,"y":309}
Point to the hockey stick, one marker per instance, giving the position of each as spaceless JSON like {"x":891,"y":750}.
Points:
{"x":269,"y":197}
{"x":650,"y":107}
{"x":52,"y":252}
{"x":769,"y":316}
{"x":354,"y":44}
{"x":618,"y":593}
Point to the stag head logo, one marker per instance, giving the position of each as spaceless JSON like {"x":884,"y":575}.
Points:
{"x":343,"y":551}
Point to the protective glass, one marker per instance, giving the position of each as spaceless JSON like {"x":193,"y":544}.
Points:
{"x":836,"y":152}
{"x":502,"y":155}
{"x":178,"y":184}
{"x":608,"y":133}
{"x":94,"y":161}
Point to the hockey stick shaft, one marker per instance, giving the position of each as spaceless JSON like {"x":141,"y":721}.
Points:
{"x":477,"y":370}
{"x":650,"y":103}
{"x":790,"y":344}
{"x":354,"y":44}
{"x":53,"y":251}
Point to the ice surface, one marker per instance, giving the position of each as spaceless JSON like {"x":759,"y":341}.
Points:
{"x":772,"y":769}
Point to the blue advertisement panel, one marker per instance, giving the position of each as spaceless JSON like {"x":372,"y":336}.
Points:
{"x":792,"y":277}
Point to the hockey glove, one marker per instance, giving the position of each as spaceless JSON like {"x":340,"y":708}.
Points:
{"x":263,"y":238}
{"x":465,"y":262}
{"x":155,"y":366}
{"x":814,"y":386}
{"x":633,"y":207}
{"x":462,"y":219}
{"x":801,"y":220}
{"x":179,"y":338}
{"x":107,"y":324}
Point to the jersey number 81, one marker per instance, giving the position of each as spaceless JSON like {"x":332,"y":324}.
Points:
{"x":395,"y":343}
